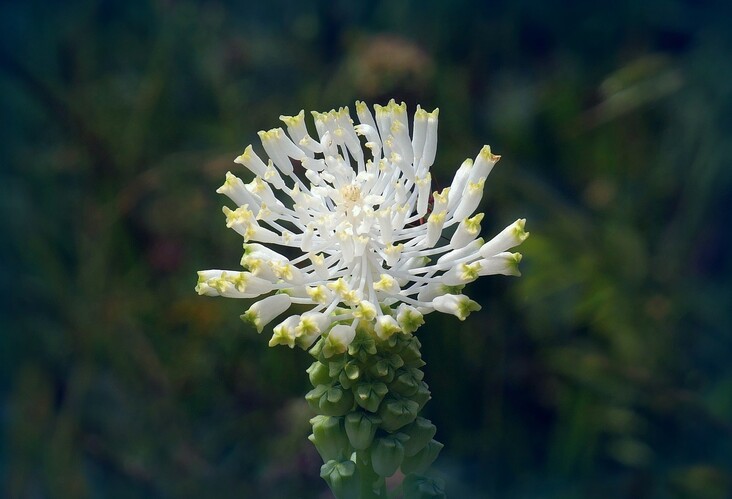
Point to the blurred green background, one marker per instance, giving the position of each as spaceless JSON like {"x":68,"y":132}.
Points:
{"x":605,"y":371}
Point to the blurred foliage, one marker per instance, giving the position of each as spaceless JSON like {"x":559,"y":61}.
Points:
{"x":603,"y":372}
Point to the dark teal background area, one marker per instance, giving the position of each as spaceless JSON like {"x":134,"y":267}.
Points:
{"x":604,"y":371}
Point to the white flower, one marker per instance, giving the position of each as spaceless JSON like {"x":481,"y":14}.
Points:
{"x":354,"y":232}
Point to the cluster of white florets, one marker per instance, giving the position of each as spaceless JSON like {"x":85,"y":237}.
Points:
{"x":364,"y":240}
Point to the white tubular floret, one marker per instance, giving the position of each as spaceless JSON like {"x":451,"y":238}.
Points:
{"x":466,"y":232}
{"x":285,"y":333}
{"x":296,"y":128}
{"x":253,"y":162}
{"x":365,"y":311}
{"x":386,"y":284}
{"x":264,"y":311}
{"x":430,"y":143}
{"x":287,"y":272}
{"x":392,"y":252}
{"x":460,"y":274}
{"x":409,"y":318}
{"x":400,"y":132}
{"x":471,"y":248}
{"x":340,"y":336}
{"x":484,"y":163}
{"x":511,"y":236}
{"x":364,"y":115}
{"x":435,"y":223}
{"x":321,"y":271}
{"x":386,"y":326}
{"x":458,"y":305}
{"x":423,"y":194}
{"x":234,"y":189}
{"x":502,"y":263}
{"x":261,"y":251}
{"x":273,"y":146}
{"x":431,"y":291}
{"x":310,"y":327}
{"x":470,"y":200}
{"x":459,"y":182}
{"x":419,"y":134}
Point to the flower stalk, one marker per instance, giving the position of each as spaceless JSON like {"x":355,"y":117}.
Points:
{"x":344,"y":225}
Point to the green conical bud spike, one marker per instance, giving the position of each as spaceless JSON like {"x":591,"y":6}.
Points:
{"x":329,"y":437}
{"x":397,"y":412}
{"x":361,"y":428}
{"x":420,"y":487}
{"x":330,"y":400}
{"x":342,"y":478}
{"x":420,"y":432}
{"x":387,"y":454}
{"x":423,"y":459}
{"x":369,"y":395}
{"x":318,"y":374}
{"x":422,"y":396}
{"x":407,"y":381}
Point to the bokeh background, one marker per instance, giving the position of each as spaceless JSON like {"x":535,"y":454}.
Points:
{"x":605,"y":371}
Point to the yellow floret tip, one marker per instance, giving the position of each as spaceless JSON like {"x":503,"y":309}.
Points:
{"x":245,"y":156}
{"x":472,"y":225}
{"x":293,"y":120}
{"x":486,"y":154}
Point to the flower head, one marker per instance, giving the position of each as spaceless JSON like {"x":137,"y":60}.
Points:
{"x":359,"y":236}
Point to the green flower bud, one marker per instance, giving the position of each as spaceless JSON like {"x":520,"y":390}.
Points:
{"x":361,"y":428}
{"x":395,"y":361}
{"x":422,"y":396}
{"x":387,"y":454}
{"x":391,"y":342}
{"x":415,"y":363}
{"x":342,"y":478}
{"x":370,"y":394}
{"x":410,"y":349}
{"x":407,"y":381}
{"x":329,"y":437}
{"x":420,"y":432}
{"x":339,"y":338}
{"x":382,"y":369}
{"x":420,"y":487}
{"x":318,"y":373}
{"x":423,"y":459}
{"x":330,"y":400}
{"x":317,"y":348}
{"x":350,"y":374}
{"x":397,"y":411}
{"x":362,"y":347}
{"x":335,"y":365}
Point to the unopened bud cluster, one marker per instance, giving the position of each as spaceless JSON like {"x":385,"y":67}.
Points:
{"x":368,"y":397}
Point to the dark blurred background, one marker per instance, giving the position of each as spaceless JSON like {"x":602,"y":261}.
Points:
{"x":605,"y":371}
